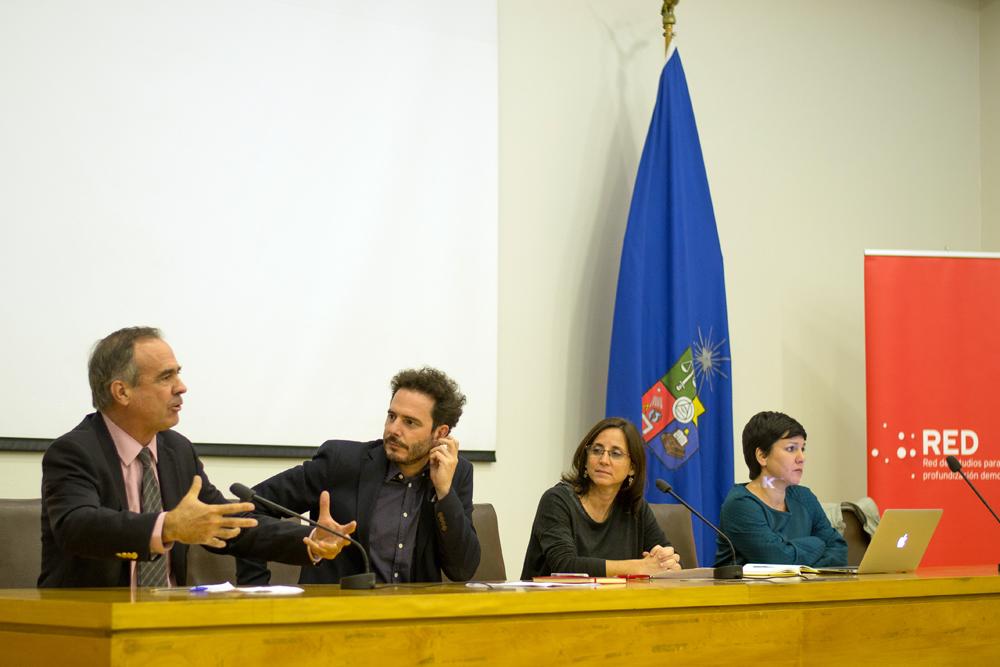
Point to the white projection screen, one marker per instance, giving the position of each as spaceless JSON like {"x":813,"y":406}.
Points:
{"x":301,"y":194}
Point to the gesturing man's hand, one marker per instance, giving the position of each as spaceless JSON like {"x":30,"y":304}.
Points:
{"x":195,"y":522}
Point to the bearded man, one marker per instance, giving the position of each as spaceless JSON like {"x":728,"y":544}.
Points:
{"x":406,"y":497}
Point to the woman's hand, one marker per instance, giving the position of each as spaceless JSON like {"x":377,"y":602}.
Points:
{"x":660,"y":559}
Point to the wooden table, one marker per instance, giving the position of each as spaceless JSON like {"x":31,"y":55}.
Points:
{"x":937,"y":616}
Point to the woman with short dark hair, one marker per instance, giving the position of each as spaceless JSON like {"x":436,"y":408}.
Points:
{"x":595,"y":521}
{"x":773,"y":518}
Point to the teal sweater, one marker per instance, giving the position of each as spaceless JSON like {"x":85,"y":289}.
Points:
{"x":801,"y":536}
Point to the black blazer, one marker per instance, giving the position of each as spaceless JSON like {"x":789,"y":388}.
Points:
{"x":353,"y":473}
{"x":89,"y":535}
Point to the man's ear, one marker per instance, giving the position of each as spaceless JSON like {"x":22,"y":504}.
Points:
{"x":121,"y":393}
{"x":441,"y":431}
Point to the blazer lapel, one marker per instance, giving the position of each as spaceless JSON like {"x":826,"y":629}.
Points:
{"x":425,"y":527}
{"x":111,"y":457}
{"x":373,"y":468}
{"x":166,"y":468}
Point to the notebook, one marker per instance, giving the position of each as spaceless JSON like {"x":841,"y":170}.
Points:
{"x":898,"y":544}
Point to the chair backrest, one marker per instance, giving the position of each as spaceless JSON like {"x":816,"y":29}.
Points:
{"x":855,"y":536}
{"x":205,"y":567}
{"x":20,"y":542}
{"x":675,"y":522}
{"x":491,"y":566}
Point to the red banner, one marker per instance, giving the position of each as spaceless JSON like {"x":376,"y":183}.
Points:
{"x":932,"y":337}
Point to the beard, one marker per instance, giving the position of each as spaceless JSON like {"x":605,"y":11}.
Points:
{"x":406,"y":453}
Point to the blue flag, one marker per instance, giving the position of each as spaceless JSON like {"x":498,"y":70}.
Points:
{"x":670,"y":366}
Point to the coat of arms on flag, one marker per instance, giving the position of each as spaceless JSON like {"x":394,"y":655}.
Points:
{"x":670,"y":410}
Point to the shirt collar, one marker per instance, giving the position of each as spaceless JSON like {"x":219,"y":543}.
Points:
{"x":127,"y":446}
{"x":393,"y":472}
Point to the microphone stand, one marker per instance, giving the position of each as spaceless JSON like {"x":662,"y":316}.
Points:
{"x":955,"y":466}
{"x":733,"y":571}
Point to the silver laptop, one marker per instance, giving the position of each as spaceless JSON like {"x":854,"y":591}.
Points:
{"x":898,"y":544}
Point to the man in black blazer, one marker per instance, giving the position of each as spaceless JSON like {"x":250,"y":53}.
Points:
{"x":409,"y":495}
{"x":93,"y":528}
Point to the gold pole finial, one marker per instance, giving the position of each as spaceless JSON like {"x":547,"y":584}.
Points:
{"x":669,"y":21}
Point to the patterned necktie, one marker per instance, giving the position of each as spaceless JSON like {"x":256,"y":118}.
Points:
{"x":154,"y":572}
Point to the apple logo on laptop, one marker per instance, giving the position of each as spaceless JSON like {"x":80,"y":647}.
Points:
{"x":901,"y":542}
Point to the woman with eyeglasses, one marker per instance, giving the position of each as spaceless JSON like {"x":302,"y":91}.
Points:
{"x":595,"y":521}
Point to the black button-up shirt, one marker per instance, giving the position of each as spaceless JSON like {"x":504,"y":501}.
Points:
{"x":394,"y":523}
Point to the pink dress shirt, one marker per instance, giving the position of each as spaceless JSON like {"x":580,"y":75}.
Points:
{"x":128,"y":453}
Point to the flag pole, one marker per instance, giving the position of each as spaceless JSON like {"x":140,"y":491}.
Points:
{"x":669,"y":21}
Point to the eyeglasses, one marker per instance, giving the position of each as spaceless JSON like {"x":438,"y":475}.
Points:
{"x":598,"y":451}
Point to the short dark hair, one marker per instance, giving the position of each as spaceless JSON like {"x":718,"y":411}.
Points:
{"x":448,"y":400}
{"x":629,"y":495}
{"x":762,"y":431}
{"x":113,"y":359}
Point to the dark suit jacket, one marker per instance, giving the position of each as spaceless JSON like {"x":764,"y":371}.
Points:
{"x":89,"y":535}
{"x":353,"y":473}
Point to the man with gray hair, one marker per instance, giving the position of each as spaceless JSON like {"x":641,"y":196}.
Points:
{"x":123,"y":494}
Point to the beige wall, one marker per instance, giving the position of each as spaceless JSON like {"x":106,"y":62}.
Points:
{"x":827,"y":128}
{"x":989,"y":82}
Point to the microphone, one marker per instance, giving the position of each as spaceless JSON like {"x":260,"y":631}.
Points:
{"x":362,"y":581}
{"x":733,"y":571}
{"x":955,"y":466}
